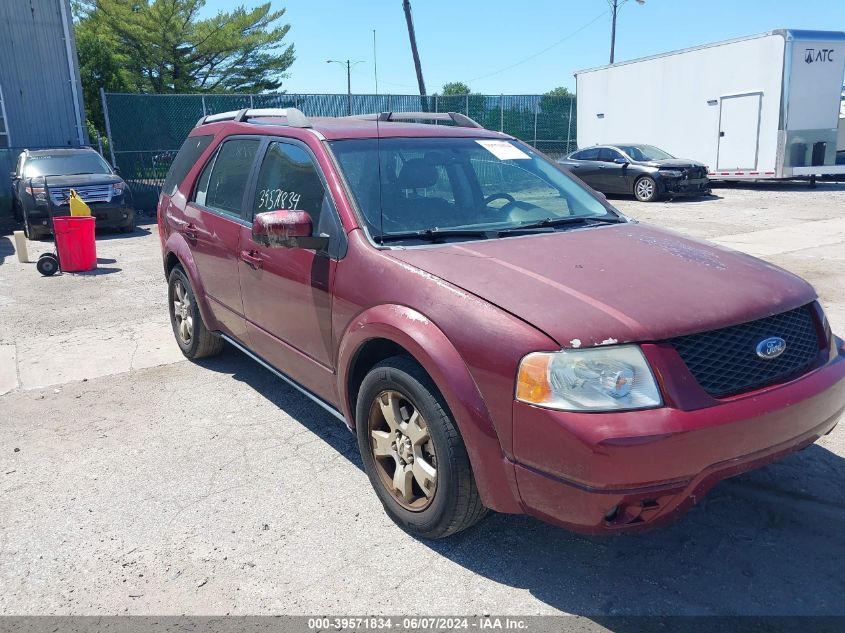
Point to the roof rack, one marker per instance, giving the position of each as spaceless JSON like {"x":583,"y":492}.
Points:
{"x":460,"y":120}
{"x":294,"y":116}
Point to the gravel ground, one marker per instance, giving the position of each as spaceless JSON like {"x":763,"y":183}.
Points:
{"x":132,"y":482}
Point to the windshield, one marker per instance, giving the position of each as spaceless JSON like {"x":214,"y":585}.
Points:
{"x":459,"y":184}
{"x":61,"y":164}
{"x":644,"y":152}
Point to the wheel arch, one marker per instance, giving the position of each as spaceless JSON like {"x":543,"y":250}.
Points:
{"x":388,"y":330}
{"x":177,"y":252}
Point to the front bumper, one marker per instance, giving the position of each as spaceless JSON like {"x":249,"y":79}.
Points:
{"x":107,"y":215}
{"x":601,"y":473}
{"x":686,"y":187}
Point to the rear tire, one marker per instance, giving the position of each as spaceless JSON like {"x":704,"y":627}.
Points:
{"x":403,"y":425}
{"x":190,"y":331}
{"x":645,"y":189}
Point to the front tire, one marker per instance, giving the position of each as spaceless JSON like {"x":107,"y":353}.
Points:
{"x":190,"y":331}
{"x":645,"y":189}
{"x":413,"y":452}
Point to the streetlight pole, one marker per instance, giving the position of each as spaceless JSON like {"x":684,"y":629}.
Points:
{"x":349,"y":64}
{"x":614,"y":8}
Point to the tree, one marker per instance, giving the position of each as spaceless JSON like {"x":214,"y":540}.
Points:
{"x":560,"y":91}
{"x":164,"y":47}
{"x":100,"y":66}
{"x":556,"y":101}
{"x":556,"y":118}
{"x":455,"y":88}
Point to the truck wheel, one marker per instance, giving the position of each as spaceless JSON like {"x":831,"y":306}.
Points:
{"x":645,"y":189}
{"x":193,"y":337}
{"x":30,"y":231}
{"x":413,"y":452}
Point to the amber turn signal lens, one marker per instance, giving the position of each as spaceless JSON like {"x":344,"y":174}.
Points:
{"x":532,"y":385}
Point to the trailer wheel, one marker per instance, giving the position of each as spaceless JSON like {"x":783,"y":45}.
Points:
{"x":645,"y":189}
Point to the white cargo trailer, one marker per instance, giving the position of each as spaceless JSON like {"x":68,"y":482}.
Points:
{"x":759,"y":107}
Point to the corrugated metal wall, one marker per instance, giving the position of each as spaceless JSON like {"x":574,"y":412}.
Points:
{"x":37,"y":80}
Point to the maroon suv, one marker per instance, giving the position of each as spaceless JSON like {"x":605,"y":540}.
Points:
{"x":497,"y":335}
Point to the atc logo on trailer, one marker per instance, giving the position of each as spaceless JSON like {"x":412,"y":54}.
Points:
{"x":822,"y":55}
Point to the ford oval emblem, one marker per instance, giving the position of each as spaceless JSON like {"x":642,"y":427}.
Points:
{"x":771,"y":347}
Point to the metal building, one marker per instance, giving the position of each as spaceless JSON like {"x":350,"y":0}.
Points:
{"x":40,"y":89}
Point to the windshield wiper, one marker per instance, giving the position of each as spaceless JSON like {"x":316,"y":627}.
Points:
{"x":432,"y":235}
{"x":550,"y":223}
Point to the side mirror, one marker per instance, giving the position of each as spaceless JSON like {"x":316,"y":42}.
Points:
{"x":116,"y":170}
{"x":13,"y":175}
{"x":286,"y":229}
{"x":620,"y":161}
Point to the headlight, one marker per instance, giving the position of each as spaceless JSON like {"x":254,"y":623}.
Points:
{"x":671,"y":173}
{"x":38,"y":193}
{"x":594,"y":379}
{"x":118,"y":188}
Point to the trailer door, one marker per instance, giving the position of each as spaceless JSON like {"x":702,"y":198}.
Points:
{"x":739,"y":131}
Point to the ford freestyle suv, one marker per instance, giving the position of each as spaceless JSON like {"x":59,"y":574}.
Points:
{"x":496,"y":334}
{"x":54,"y":172}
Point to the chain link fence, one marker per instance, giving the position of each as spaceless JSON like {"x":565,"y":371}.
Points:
{"x":145,"y":131}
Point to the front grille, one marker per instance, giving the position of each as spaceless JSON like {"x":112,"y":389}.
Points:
{"x":695,"y":173}
{"x":93,"y":193}
{"x":725,"y":361}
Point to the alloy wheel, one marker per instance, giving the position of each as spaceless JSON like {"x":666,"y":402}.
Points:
{"x":403,"y":450}
{"x":182,"y":312}
{"x":645,"y":189}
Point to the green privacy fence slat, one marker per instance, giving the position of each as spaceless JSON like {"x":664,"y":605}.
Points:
{"x":146,"y":130}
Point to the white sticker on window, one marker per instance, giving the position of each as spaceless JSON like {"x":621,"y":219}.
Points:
{"x":503,"y":150}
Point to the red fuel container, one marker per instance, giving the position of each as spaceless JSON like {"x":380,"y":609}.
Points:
{"x":75,"y":243}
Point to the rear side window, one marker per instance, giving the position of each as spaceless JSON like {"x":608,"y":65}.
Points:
{"x":608,"y":155}
{"x":587,"y":154}
{"x":188,"y":155}
{"x":223,"y":181}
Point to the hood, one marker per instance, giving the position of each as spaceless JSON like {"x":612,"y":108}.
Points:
{"x":617,"y":283}
{"x":78,"y":180}
{"x":674,"y":163}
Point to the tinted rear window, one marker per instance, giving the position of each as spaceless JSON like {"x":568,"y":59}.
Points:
{"x":189,"y":153}
{"x":587,"y":154}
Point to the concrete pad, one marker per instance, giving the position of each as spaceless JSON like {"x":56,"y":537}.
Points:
{"x":787,"y":239}
{"x":91,"y":352}
{"x":8,"y":369}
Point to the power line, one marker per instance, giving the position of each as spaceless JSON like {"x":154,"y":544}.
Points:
{"x":545,"y":50}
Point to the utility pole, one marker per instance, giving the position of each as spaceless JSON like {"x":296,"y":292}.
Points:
{"x":406,"y":5}
{"x":349,"y":64}
{"x":614,"y":8}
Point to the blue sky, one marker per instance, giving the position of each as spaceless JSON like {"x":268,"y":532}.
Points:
{"x":475,"y":41}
